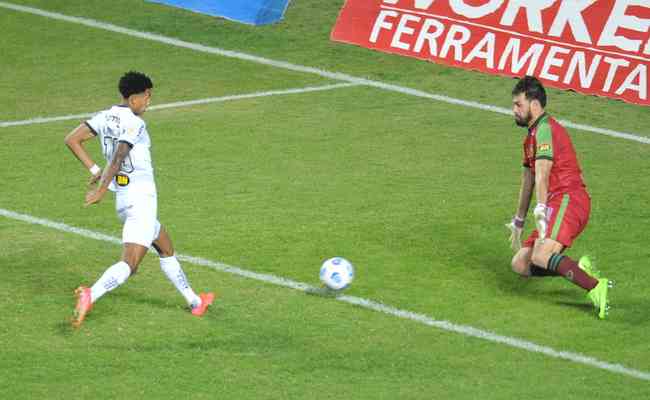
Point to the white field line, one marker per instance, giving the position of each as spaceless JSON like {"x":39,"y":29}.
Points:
{"x":44,"y":120}
{"x":361,"y":302}
{"x":299,"y":68}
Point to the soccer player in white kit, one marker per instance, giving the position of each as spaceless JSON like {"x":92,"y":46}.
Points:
{"x":129,"y":173}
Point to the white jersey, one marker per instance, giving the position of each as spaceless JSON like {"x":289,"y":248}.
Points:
{"x":120,"y":124}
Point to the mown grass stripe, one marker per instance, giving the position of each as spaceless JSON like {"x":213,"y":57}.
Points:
{"x":301,"y":68}
{"x":358,"y":301}
{"x":187,"y":103}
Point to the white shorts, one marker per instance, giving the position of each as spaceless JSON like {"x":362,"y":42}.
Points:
{"x":139,"y":213}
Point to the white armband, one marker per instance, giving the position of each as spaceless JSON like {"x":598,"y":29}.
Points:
{"x":94,"y":170}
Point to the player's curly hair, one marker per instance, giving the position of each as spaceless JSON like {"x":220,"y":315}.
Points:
{"x":134,"y":82}
{"x":533,"y":89}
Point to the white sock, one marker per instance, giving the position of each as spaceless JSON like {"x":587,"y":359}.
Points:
{"x":175,"y":274}
{"x":113,"y":277}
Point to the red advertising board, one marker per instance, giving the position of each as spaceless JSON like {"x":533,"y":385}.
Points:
{"x":599,"y":47}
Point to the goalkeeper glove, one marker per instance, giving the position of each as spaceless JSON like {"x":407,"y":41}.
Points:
{"x":516,"y":227}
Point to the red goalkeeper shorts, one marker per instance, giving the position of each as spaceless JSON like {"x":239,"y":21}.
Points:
{"x":567,"y":215}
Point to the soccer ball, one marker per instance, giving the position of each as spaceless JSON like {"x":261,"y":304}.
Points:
{"x":337,"y":273}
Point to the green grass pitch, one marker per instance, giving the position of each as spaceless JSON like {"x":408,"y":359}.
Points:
{"x":414,"y":192}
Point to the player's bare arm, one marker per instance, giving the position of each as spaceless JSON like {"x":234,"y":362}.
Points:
{"x":75,"y":142}
{"x":542,"y":174}
{"x":95,"y":195}
{"x":525,"y":192}
{"x":516,"y":225}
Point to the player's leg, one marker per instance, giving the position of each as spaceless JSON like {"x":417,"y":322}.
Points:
{"x":171,"y":267}
{"x":174,"y":272}
{"x":569,"y":222}
{"x":522,"y":261}
{"x":138,"y":212}
{"x":548,"y":253}
{"x":113,"y":277}
{"x":118,"y":273}
{"x":568,"y":217}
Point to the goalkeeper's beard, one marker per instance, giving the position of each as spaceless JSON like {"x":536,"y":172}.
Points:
{"x":523,"y":121}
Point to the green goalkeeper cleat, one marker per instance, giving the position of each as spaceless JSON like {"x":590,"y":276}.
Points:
{"x":586,"y":265}
{"x":599,"y":296}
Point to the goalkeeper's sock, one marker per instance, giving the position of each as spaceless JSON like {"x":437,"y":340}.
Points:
{"x":172,"y":269}
{"x":114,"y":276}
{"x":539,"y":271}
{"x":569,"y":269}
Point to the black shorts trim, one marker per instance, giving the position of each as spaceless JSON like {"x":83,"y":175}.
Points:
{"x":124,"y":141}
{"x":91,"y":128}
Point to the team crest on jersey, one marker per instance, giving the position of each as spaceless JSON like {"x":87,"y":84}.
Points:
{"x":122,"y":180}
{"x":544,"y":147}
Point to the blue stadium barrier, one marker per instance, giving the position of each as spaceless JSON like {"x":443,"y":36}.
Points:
{"x":255,"y":12}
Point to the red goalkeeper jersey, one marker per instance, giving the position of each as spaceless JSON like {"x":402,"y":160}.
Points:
{"x":548,"y":140}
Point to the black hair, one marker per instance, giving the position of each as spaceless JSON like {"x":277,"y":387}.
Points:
{"x":533,"y":89}
{"x":133,"y":83}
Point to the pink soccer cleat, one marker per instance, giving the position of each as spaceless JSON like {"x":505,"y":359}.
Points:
{"x":84,"y":305}
{"x":206,"y":300}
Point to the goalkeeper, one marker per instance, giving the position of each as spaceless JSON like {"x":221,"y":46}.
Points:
{"x":551,"y":169}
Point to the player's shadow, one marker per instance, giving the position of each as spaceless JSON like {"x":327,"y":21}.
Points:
{"x":154,"y":302}
{"x":567,"y":297}
{"x":323,"y":292}
{"x":64,"y":327}
{"x":544,"y":289}
{"x":633,"y":312}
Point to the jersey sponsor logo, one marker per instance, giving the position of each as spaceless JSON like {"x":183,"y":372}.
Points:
{"x":122,"y":180}
{"x":593,"y":47}
{"x":544,"y":147}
